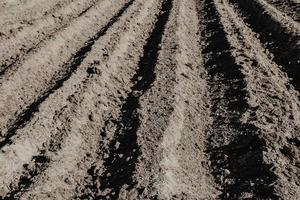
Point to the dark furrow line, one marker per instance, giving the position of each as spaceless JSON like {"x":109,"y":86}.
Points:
{"x":295,"y":141}
{"x":292,"y":9}
{"x":283,"y":44}
{"x":87,"y":9}
{"x":235,"y":149}
{"x":41,"y":162}
{"x":5,"y":68}
{"x":37,"y":165}
{"x":124,"y":149}
{"x":58,"y":81}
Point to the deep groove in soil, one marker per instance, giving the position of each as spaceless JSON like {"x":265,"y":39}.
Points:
{"x":5,"y":68}
{"x":160,"y":99}
{"x":238,"y":167}
{"x":278,"y":40}
{"x":124,"y":149}
{"x":38,"y":165}
{"x":57,"y":82}
{"x":291,"y":8}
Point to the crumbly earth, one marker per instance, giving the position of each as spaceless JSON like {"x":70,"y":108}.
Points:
{"x":149,"y":99}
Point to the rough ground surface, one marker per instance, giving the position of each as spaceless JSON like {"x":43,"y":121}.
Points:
{"x":149,"y":99}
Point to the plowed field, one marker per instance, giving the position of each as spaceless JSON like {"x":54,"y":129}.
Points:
{"x":149,"y":99}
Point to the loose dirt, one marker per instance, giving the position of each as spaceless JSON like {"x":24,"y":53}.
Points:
{"x":149,"y":99}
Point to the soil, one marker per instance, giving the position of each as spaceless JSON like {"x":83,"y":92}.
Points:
{"x":149,"y":99}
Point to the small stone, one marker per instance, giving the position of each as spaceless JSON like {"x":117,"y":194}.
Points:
{"x":136,"y":93}
{"x":117,"y":145}
{"x":227,"y":171}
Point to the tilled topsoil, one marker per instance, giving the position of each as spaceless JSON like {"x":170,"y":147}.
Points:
{"x":150,"y":99}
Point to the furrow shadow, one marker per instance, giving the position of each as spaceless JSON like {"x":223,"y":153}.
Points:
{"x":124,"y":149}
{"x":57,"y":82}
{"x":5,"y":68}
{"x":37,"y":165}
{"x":284,"y":45}
{"x":289,"y":7}
{"x":234,"y":148}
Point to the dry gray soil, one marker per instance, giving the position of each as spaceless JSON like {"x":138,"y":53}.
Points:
{"x":149,"y":99}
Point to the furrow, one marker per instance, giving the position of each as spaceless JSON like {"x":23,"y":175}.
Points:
{"x":18,"y":16}
{"x":39,"y":163}
{"x":44,"y":81}
{"x":99,"y":97}
{"x":271,"y":96}
{"x":283,"y":20}
{"x":123,"y":151}
{"x":54,"y":140}
{"x":54,"y":118}
{"x":184,"y":170}
{"x":235,"y":148}
{"x":278,"y":35}
{"x":149,"y":99}
{"x":17,"y":48}
{"x":288,"y":7}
